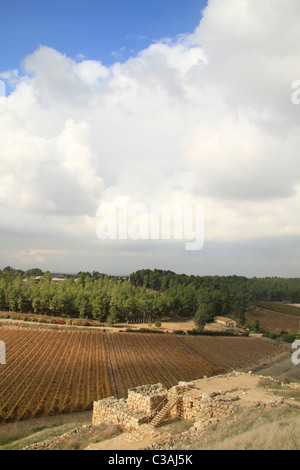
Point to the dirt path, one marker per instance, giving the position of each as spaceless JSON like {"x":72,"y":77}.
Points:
{"x":123,"y":442}
{"x":246,"y":386}
{"x":227,"y":383}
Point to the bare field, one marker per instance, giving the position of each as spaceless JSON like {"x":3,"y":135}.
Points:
{"x":275,"y":322}
{"x":50,"y":372}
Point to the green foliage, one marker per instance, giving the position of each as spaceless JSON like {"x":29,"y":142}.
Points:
{"x":34,"y":272}
{"x":203,"y":315}
{"x":283,"y":336}
{"x":143,"y":295}
{"x":271,"y":335}
{"x":100,"y":306}
{"x":144,"y":330}
{"x":288,"y":338}
{"x":220,"y":333}
{"x":113,"y":316}
{"x":280,"y":308}
{"x":254,"y":326}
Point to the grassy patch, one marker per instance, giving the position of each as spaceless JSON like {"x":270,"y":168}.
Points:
{"x":282,"y":369}
{"x":270,"y":384}
{"x":269,"y":429}
{"x":86,"y":436}
{"x":17,"y":435}
{"x":279,"y":307}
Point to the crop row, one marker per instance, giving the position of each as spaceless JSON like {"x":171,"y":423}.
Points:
{"x":49,"y":372}
{"x":230,"y":353}
{"x":62,"y":371}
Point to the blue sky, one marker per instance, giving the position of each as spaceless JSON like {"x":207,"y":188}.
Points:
{"x":103,"y":30}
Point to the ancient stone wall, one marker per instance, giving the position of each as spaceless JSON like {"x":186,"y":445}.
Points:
{"x":194,"y":404}
{"x":147,"y":397}
{"x":130,"y":413}
{"x":197,"y":405}
{"x":114,"y":411}
{"x":180,"y":389}
{"x":142,"y":401}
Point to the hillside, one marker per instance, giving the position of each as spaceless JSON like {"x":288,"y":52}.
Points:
{"x":263,"y":414}
{"x":274,"y":321}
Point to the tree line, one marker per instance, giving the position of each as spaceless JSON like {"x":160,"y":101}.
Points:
{"x":143,"y":294}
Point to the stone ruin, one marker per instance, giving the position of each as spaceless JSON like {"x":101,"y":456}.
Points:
{"x":153,"y":404}
{"x":130,"y":413}
{"x":144,"y":402}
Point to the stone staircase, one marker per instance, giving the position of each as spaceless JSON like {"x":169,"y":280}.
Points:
{"x":160,"y":416}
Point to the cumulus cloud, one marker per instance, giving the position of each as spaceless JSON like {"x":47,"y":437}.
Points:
{"x":205,"y":117}
{"x":253,"y":53}
{"x":49,"y":175}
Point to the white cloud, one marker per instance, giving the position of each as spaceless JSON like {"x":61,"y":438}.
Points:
{"x":49,"y":175}
{"x":204,"y":117}
{"x":91,"y":71}
{"x":236,"y":159}
{"x":10,"y":76}
{"x":253,"y":54}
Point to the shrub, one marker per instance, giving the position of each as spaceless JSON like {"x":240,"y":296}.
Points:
{"x":274,"y":336}
{"x":254,"y":326}
{"x":271,"y":335}
{"x":219,"y":333}
{"x":288,"y":338}
{"x":144,"y":330}
{"x":194,"y":332}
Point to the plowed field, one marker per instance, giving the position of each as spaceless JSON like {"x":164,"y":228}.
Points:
{"x":62,"y":371}
{"x":275,"y":322}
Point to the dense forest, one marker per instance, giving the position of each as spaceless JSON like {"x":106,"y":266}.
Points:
{"x":143,"y":294}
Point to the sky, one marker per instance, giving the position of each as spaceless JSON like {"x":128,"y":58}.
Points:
{"x":123,"y":105}
{"x":102,"y":30}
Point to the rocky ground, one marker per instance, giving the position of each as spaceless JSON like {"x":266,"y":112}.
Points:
{"x":244,"y":395}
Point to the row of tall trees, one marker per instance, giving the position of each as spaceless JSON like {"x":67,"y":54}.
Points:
{"x":267,"y":288}
{"x":100,"y":299}
{"x":143,"y":294}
